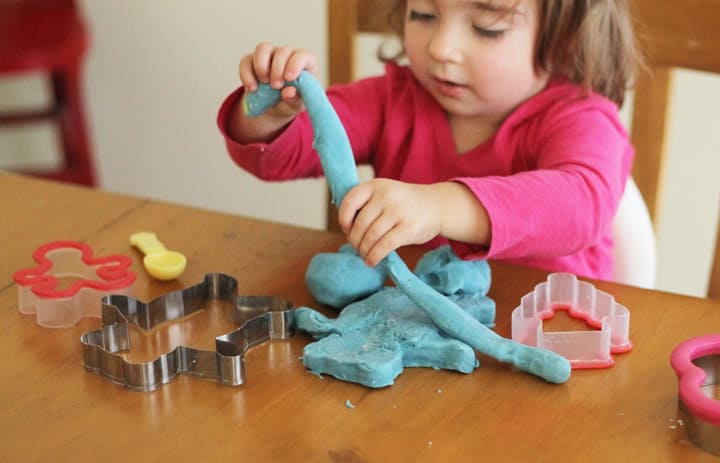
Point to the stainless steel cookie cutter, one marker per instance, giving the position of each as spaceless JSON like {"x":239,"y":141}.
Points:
{"x":696,"y":363}
{"x":260,"y":318}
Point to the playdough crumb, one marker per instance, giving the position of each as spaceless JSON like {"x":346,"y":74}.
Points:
{"x":349,"y":404}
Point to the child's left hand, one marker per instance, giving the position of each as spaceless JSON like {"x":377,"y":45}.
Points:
{"x":381,"y":215}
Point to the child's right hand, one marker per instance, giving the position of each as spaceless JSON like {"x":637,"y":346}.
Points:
{"x":274,"y":65}
{"x":271,"y":64}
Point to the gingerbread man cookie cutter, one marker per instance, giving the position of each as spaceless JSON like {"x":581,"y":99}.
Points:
{"x":697,"y":365}
{"x":260,"y":318}
{"x":68,"y":283}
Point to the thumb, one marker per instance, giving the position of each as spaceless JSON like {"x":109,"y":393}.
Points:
{"x":292,"y":99}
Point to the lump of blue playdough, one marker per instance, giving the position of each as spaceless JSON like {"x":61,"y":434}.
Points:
{"x":372,"y":340}
{"x":445,"y":272}
{"x":338,"y":278}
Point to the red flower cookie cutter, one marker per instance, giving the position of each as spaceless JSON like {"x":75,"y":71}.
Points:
{"x":697,"y":365}
{"x":68,"y":283}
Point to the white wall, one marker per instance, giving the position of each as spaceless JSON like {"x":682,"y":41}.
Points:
{"x":158,"y":70}
{"x":156,"y":75}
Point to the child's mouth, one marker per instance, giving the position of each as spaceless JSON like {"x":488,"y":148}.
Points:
{"x":448,"y":87}
{"x":447,"y":82}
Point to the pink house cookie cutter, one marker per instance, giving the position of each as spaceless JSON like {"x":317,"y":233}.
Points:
{"x":584,"y":349}
{"x":697,"y":365}
{"x":68,"y":283}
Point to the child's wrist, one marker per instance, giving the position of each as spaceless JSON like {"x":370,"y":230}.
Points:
{"x":259,"y":129}
{"x":464,"y":218}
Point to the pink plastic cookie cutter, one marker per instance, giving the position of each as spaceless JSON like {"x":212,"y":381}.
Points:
{"x":584,"y":349}
{"x":68,"y":283}
{"x":697,"y":365}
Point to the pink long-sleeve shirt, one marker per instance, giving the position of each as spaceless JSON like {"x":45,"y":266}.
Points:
{"x":550,"y":178}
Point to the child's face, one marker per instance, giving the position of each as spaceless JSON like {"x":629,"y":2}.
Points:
{"x":474,"y":57}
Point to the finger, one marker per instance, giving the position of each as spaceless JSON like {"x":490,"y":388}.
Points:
{"x":247,"y":75}
{"x":375,"y":233}
{"x":294,"y":104}
{"x":290,"y":95}
{"x":365,"y":218}
{"x":389,"y":243}
{"x":354,"y":200}
{"x":262,"y":58}
{"x":301,"y":59}
{"x":278,"y":66}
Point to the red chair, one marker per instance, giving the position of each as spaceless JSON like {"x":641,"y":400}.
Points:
{"x":49,"y":36}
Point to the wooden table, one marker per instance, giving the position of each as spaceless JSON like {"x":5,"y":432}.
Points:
{"x":54,"y":410}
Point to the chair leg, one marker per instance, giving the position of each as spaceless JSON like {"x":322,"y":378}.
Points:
{"x":78,"y":158}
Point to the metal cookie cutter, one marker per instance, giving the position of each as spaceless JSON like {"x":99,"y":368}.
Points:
{"x":584,"y":349}
{"x":260,"y":318}
{"x":68,"y":283}
{"x":697,"y":365}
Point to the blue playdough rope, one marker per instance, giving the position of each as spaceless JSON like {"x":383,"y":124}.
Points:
{"x":332,"y":144}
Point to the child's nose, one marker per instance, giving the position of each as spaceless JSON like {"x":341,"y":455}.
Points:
{"x":444,"y":46}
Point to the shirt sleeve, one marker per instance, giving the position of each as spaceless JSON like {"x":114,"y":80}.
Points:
{"x":567,"y":198}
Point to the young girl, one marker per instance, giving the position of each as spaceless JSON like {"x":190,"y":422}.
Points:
{"x":501,"y":136}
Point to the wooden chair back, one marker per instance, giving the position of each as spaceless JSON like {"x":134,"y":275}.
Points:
{"x":347,"y":19}
{"x":671,"y":34}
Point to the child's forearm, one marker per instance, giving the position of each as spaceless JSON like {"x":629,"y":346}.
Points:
{"x":464,"y":217}
{"x":258,"y":129}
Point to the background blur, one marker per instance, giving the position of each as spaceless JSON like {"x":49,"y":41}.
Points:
{"x":158,"y":71}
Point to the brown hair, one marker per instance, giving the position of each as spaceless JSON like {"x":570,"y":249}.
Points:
{"x":589,"y":41}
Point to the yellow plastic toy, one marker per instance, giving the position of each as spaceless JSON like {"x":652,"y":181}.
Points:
{"x":159,"y":262}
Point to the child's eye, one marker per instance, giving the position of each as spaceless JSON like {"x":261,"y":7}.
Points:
{"x":489,"y":33}
{"x":419,"y":16}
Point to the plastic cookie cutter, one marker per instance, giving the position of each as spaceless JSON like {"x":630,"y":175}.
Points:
{"x":584,"y":349}
{"x":159,"y":262}
{"x":68,"y":283}
{"x":697,"y":365}
{"x":260,"y":318}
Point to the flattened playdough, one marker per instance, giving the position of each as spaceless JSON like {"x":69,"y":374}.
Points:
{"x":333,"y":147}
{"x":373,"y":339}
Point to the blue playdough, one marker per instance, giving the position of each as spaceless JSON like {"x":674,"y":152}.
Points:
{"x":333,"y":147}
{"x":373,"y":339}
{"x":339,"y":278}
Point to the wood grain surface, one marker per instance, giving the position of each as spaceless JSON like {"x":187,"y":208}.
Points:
{"x":54,"y":410}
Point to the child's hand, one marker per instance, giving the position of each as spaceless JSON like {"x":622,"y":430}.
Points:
{"x":381,"y":215}
{"x":275,"y":65}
